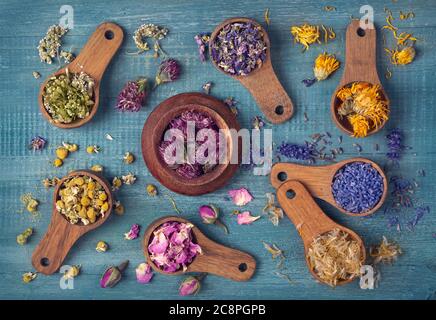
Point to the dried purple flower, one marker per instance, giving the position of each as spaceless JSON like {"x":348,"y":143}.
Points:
{"x":296,"y":151}
{"x":206,"y":87}
{"x":395,"y":146}
{"x":202,"y":41}
{"x":239,"y":48}
{"x":419,"y":214}
{"x":231,"y":103}
{"x":402,"y":188}
{"x":37,"y":143}
{"x":133,"y":232}
{"x":169,"y":70}
{"x":132,"y":97}
{"x":357,"y":187}
{"x":308,"y":82}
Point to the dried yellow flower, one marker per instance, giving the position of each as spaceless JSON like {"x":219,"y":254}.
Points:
{"x":401,"y":57}
{"x":28,"y":277}
{"x":306,"y":34}
{"x":61,"y":153}
{"x":47,"y":182}
{"x":97,"y":168}
{"x":58,"y":162}
{"x":30,"y":202}
{"x":128,"y":158}
{"x":93,"y":149}
{"x":71,"y":147}
{"x":360,"y":125}
{"x":151,"y":190}
{"x":72,"y":272}
{"x":325,"y":65}
{"x":385,"y":252}
{"x":116,"y":183}
{"x":101,"y":246}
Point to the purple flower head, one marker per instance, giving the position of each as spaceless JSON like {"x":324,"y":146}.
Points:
{"x":202,"y":41}
{"x":37,"y":143}
{"x":132,"y":97}
{"x":169,"y":70}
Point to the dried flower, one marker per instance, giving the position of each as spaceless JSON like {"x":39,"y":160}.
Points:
{"x":240,"y":197}
{"x":325,"y":64}
{"x":67,"y":56}
{"x":72,"y":272}
{"x":307,"y":34}
{"x":169,"y":70}
{"x":101,"y":246}
{"x":402,"y":38}
{"x":71,"y":147}
{"x":202,"y":41}
{"x":61,"y":153}
{"x":401,"y":57}
{"x":419,"y":214}
{"x":93,"y":149}
{"x":113,"y":275}
{"x":151,"y":190}
{"x":57,"y":162}
{"x":190,"y":286}
{"x":230,"y":102}
{"x":37,"y":143}
{"x":257,"y":123}
{"x":296,"y":151}
{"x":395,"y":145}
{"x":206,"y":87}
{"x":335,"y":256}
{"x":119,"y":208}
{"x":133,"y":232}
{"x":29,"y":276}
{"x":357,"y":187}
{"x":266,"y":17}
{"x":275,"y":214}
{"x":30,"y":202}
{"x":144,"y":273}
{"x":23,"y":237}
{"x":359,"y":124}
{"x":239,"y":48}
{"x":172,"y":248}
{"x":128,"y":158}
{"x":132,"y":96}
{"x":116,"y":183}
{"x":386,"y":252}
{"x":97,"y":168}
{"x":246,"y":218}
{"x":129,"y":179}
{"x":47,"y":182}
{"x":210,"y":214}
{"x":36,"y":74}
{"x":149,"y":31}
{"x":329,"y":8}
{"x":48,"y":47}
{"x":69,"y":96}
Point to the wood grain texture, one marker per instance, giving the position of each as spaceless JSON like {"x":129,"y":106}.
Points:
{"x":93,"y":60}
{"x":262,"y":82}
{"x":319,"y":179}
{"x":411,"y":91}
{"x":308,"y":218}
{"x":215,"y":258}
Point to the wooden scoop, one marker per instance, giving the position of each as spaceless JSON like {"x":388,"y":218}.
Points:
{"x":318,"y":180}
{"x":216,"y":258}
{"x":262,"y":82}
{"x":61,"y":234}
{"x":93,"y":60}
{"x":360,"y":65}
{"x":309,"y":219}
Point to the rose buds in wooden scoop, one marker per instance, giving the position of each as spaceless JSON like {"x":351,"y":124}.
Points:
{"x":334,"y":254}
{"x":357,"y":186}
{"x":195,"y":252}
{"x":240,"y":48}
{"x":74,"y":214}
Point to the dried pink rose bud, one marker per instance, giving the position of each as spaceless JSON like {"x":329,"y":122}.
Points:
{"x":112,"y":275}
{"x":246,"y":218}
{"x":144,"y":273}
{"x":133,"y":232}
{"x":209,"y":214}
{"x":240,"y":197}
{"x":189,"y":286}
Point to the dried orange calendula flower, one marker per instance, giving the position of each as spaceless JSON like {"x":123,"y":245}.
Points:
{"x":360,"y":125}
{"x":385,"y":252}
{"x":401,"y":57}
{"x":325,"y":65}
{"x":306,"y":34}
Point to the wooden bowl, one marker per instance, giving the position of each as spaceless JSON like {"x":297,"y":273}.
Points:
{"x":154,"y":129}
{"x":215,"y":258}
{"x":261,"y":82}
{"x":61,"y":235}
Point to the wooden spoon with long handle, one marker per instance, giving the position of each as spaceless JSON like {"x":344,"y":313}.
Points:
{"x":215,"y":259}
{"x":92,"y":60}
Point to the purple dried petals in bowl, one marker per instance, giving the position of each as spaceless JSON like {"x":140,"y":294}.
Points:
{"x":172,"y":247}
{"x":357,"y":187}
{"x":184,"y":169}
{"x":239,"y":48}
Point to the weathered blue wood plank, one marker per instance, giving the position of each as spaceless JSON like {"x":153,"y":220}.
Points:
{"x":411,"y":90}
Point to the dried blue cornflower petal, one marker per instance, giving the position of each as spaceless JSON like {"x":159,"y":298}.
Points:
{"x":169,"y":70}
{"x":37,"y":143}
{"x":419,"y":214}
{"x":202,"y":41}
{"x":357,"y":187}
{"x":395,"y":145}
{"x":308,"y":82}
{"x":132,"y":97}
{"x":239,"y":48}
{"x":402,"y":188}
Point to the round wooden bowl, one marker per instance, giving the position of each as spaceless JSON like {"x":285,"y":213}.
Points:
{"x":154,"y":129}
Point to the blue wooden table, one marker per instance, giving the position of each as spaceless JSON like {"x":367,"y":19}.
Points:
{"x":411,"y":90}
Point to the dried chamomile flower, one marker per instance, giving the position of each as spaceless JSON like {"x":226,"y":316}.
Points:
{"x":93,"y":149}
{"x":72,"y":272}
{"x":151,"y":190}
{"x":67,"y":56}
{"x":149,"y":31}
{"x":129,"y":179}
{"x":23,"y":237}
{"x":48,"y":183}
{"x":386,"y":252}
{"x":119,"y":208}
{"x":29,"y":276}
{"x":101,"y":246}
{"x":57,"y":162}
{"x":97,"y":168}
{"x":116,"y":183}
{"x":48,"y":47}
{"x":128,"y":158}
{"x":37,"y":143}
{"x":71,"y":147}
{"x":62,"y":153}
{"x":401,"y":57}
{"x":36,"y":74}
{"x":30,"y":202}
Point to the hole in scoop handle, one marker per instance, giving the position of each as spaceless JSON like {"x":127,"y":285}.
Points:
{"x":303,"y":211}
{"x":99,"y":50}
{"x":51,"y":251}
{"x":269,"y":94}
{"x":225,"y":262}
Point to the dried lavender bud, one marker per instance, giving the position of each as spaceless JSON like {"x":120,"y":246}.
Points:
{"x":357,"y":187}
{"x":239,"y":48}
{"x":169,"y":70}
{"x":132,"y":97}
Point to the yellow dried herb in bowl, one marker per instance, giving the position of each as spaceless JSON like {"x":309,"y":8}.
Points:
{"x":82,"y":199}
{"x":335,"y":257}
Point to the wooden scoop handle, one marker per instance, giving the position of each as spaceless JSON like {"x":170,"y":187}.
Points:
{"x":360,"y":55}
{"x":55,"y":245}
{"x":269,"y":94}
{"x":303,"y":211}
{"x":98,"y":51}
